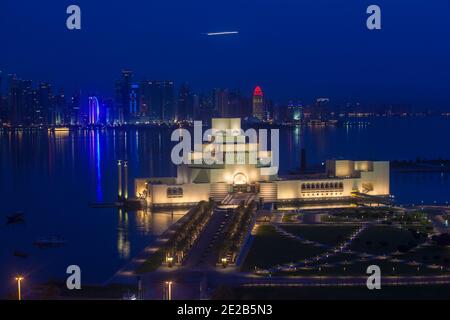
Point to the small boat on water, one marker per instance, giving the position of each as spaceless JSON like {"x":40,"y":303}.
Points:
{"x":20,"y":254}
{"x":18,"y":217}
{"x":50,"y":242}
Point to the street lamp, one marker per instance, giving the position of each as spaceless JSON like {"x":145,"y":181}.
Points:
{"x":224,"y":262}
{"x":320,"y":275}
{"x":170,"y":261}
{"x":19,"y":280}
{"x":169,"y":290}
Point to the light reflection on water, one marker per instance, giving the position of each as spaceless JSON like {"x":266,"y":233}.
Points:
{"x":53,"y":176}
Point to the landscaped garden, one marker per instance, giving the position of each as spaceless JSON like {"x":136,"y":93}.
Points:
{"x":270,"y":248}
{"x":329,"y":235}
{"x":387,"y":239}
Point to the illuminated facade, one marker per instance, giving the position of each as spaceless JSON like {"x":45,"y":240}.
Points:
{"x":94,"y":110}
{"x":196,"y":182}
{"x":259,"y":110}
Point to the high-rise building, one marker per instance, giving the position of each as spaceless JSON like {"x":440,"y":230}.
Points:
{"x":204,"y":108}
{"x":94,"y":111}
{"x":158,"y":97}
{"x":185,"y":105}
{"x":59,"y":107}
{"x":74,"y":109}
{"x":134,"y":102}
{"x":107,"y":114}
{"x":126,"y":100}
{"x":259,"y":109}
{"x":44,"y":103}
{"x":294,"y":111}
{"x":19,"y":100}
{"x":238,"y":105}
{"x":30,"y":102}
{"x":221,"y":102}
{"x":321,"y":109}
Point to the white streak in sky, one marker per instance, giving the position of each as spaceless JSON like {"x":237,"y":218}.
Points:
{"x":211,"y":34}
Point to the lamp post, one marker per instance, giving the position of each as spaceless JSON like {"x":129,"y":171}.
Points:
{"x":224,"y":262}
{"x":170,"y":261}
{"x":320,"y":276}
{"x":169,"y":290}
{"x":19,"y":294}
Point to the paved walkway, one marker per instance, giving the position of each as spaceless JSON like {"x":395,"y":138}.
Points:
{"x":204,"y":254}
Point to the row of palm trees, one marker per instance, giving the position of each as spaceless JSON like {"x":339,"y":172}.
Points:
{"x":236,"y":233}
{"x":186,"y":235}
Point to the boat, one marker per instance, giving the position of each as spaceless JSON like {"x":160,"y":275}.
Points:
{"x":18,"y":217}
{"x":49,"y":242}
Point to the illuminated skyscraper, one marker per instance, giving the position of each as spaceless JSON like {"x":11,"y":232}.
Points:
{"x":74,"y":109}
{"x":259,"y":110}
{"x":94,"y":110}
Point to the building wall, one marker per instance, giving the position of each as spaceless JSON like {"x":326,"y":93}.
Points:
{"x":227,"y":174}
{"x":371,"y":178}
{"x":192,"y":193}
{"x":378,"y":179}
{"x":288,"y":190}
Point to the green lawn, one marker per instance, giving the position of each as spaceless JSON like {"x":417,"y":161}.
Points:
{"x":330,"y":235}
{"x":385,"y":240}
{"x":430,"y":255}
{"x":269,"y":248}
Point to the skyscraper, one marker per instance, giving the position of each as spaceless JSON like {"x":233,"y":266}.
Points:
{"x":295,"y":111}
{"x":29,"y":101}
{"x":74,"y":109}
{"x":185,"y":105}
{"x":16,"y":99}
{"x":107,"y":111}
{"x":158,"y":97}
{"x":43,"y":105}
{"x":259,"y":110}
{"x":221,"y":102}
{"x":59,"y":107}
{"x":94,"y":111}
{"x":321,"y":109}
{"x":134,"y":102}
{"x":126,"y":100}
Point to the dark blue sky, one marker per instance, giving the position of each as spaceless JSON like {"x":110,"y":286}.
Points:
{"x":298,"y":49}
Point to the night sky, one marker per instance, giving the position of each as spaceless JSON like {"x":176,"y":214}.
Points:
{"x":294,"y":49}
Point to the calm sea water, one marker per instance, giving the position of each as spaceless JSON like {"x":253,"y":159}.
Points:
{"x":54,"y":177}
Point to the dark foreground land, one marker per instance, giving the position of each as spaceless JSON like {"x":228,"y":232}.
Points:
{"x":438,"y":292}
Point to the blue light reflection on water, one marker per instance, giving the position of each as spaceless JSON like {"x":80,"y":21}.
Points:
{"x":53,"y":178}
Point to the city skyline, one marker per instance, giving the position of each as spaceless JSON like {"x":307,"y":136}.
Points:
{"x":28,"y":102}
{"x":298,"y":51}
